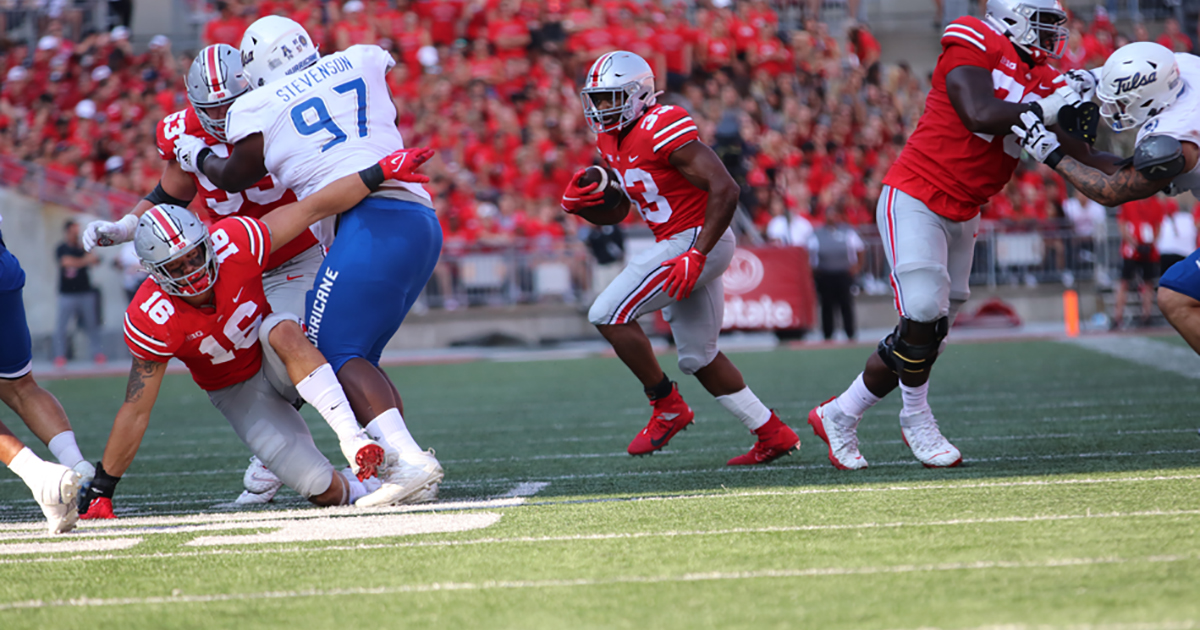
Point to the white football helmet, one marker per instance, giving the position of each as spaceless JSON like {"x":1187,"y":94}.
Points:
{"x":215,"y":79}
{"x":168,"y":233}
{"x":623,"y":81}
{"x":275,"y":46}
{"x":1039,"y":27}
{"x":1138,"y":81}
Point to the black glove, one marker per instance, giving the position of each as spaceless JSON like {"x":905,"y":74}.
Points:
{"x":1080,"y":121}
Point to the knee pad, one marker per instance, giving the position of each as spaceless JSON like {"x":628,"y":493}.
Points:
{"x":901,"y":355}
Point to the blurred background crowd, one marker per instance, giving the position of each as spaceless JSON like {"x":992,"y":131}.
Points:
{"x":807,"y":114}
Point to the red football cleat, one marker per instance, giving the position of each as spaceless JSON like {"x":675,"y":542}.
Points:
{"x":101,"y":507}
{"x":775,"y":439}
{"x":671,"y":415}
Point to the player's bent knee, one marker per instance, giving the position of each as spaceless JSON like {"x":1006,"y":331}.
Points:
{"x":913,"y":346}
{"x":286,"y":324}
{"x":691,"y":363}
{"x":1174,"y":304}
{"x":599,"y":314}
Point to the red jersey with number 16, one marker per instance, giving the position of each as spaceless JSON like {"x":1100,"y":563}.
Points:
{"x":218,"y":343}
{"x":951,"y":170}
{"x":256,"y":201}
{"x":665,"y":198}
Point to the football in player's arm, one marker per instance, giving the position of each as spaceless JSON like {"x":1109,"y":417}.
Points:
{"x":145,"y":375}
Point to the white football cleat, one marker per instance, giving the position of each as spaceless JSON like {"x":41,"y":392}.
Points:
{"x":927,"y":442}
{"x":261,"y":484}
{"x":406,"y":479}
{"x":429,"y":494}
{"x":56,"y":491}
{"x":840,"y":432}
{"x":366,"y":457}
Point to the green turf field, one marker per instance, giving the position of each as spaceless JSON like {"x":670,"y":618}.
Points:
{"x":1078,"y":506}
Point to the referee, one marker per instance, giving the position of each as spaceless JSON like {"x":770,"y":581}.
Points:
{"x":836,"y":253}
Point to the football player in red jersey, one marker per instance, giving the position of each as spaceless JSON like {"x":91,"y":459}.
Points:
{"x":214,"y":81}
{"x":204,"y":304}
{"x":687,"y":197}
{"x":990,"y":72}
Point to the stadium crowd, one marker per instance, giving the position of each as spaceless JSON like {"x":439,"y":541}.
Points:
{"x":804,"y":119}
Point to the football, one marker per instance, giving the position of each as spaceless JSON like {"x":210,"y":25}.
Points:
{"x":615,"y":206}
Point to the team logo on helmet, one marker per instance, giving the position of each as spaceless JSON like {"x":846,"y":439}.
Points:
{"x":168,"y":229}
{"x":1125,"y":84}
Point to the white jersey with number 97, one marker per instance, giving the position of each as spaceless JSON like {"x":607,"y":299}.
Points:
{"x":327,"y":121}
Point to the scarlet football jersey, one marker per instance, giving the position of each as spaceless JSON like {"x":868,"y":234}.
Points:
{"x":951,"y":170}
{"x":665,"y":198}
{"x":255,"y":201}
{"x":218,"y":344}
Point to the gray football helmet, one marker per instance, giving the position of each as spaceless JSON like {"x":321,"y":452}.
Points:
{"x":1037,"y":26}
{"x":626,"y":82}
{"x":168,"y":233}
{"x":216,"y":78}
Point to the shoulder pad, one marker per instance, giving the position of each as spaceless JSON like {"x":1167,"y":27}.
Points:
{"x":1159,"y":157}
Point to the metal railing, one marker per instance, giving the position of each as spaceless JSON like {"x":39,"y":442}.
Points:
{"x":74,"y":192}
{"x":521,"y":272}
{"x":25,"y":20}
{"x":1008,"y":256}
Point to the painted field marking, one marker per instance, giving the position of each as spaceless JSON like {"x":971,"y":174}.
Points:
{"x":713,"y":576}
{"x":373,"y":526}
{"x":129,"y":524}
{"x":1144,"y":351}
{"x":66,"y":545}
{"x":300,"y":533}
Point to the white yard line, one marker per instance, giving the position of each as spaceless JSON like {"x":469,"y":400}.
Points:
{"x":384,"y":525}
{"x":437,"y":587}
{"x":1144,"y":351}
{"x":159,"y":524}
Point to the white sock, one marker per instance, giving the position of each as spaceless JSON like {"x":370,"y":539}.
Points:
{"x":357,"y":488}
{"x":65,"y":450}
{"x":25,"y":462}
{"x":857,"y":399}
{"x":915,"y":401}
{"x":746,"y":407}
{"x":389,"y":427}
{"x":322,"y":390}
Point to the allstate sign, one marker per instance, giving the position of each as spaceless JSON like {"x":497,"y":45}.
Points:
{"x":768,"y":288}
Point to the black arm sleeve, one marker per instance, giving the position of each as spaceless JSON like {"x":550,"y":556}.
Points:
{"x":160,"y":196}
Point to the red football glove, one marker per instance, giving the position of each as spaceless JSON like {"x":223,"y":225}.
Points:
{"x":575,"y":198}
{"x":101,"y":507}
{"x":684,"y":271}
{"x":402,"y":165}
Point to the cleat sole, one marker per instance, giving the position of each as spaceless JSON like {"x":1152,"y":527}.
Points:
{"x":368,"y":459}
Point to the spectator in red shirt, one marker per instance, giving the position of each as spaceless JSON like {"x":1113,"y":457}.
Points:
{"x":507,"y":32}
{"x":353,"y":28}
{"x":716,"y":48}
{"x":1139,"y":222}
{"x":227,"y":28}
{"x":442,"y":20}
{"x":676,"y":39}
{"x":1173,"y":38}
